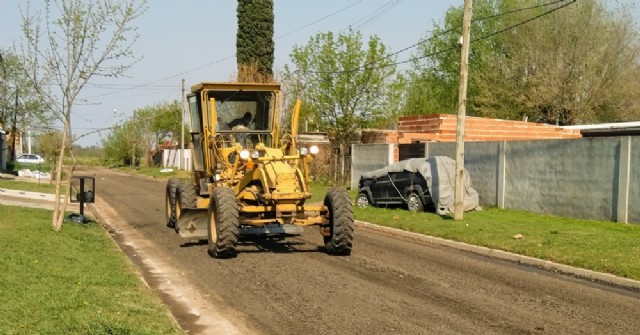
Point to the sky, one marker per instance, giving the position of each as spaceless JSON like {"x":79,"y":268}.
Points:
{"x":195,"y":40}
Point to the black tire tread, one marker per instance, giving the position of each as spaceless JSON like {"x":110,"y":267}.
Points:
{"x":170,"y":200}
{"x":187,"y":195}
{"x":223,"y":202}
{"x":341,"y":222}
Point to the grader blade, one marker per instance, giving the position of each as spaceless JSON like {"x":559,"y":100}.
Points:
{"x":274,"y":229}
{"x":192,"y":223}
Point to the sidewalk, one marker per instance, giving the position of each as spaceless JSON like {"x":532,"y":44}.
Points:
{"x":31,"y":199}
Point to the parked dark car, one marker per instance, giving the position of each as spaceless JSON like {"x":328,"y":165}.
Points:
{"x":418,"y":183}
{"x":395,"y":188}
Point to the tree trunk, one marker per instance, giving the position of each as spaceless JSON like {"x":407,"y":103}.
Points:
{"x":58,"y":209}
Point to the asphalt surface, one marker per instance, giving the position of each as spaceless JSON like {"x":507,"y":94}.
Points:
{"x":393,"y":283}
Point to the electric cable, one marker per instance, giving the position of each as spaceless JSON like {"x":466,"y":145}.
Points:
{"x":484,"y":37}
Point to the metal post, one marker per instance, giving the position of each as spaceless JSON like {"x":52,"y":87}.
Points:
{"x":81,"y":197}
{"x":182,"y":132}
{"x":462,"y":100}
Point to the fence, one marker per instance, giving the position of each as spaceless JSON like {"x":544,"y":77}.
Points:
{"x":171,"y":159}
{"x":590,"y":178}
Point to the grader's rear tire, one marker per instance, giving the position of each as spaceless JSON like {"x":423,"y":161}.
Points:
{"x":185,"y":198}
{"x":223,"y":223}
{"x":341,"y":226}
{"x":170,"y":202}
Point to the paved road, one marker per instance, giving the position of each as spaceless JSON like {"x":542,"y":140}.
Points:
{"x":390,"y":284}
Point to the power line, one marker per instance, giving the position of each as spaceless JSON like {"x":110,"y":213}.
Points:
{"x":447,"y":49}
{"x":231,"y":56}
{"x":422,"y":41}
{"x":523,"y":22}
{"x":376,"y":14}
{"x":318,"y":20}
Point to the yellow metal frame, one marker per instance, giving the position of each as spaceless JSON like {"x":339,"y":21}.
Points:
{"x":282,"y":171}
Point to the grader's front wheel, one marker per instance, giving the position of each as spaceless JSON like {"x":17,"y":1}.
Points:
{"x":341,"y":226}
{"x":223,"y":224}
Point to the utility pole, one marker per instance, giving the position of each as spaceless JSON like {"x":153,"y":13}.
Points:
{"x":462,"y":102}
{"x":182,"y":131}
{"x":133,"y":141}
{"x":14,"y":132}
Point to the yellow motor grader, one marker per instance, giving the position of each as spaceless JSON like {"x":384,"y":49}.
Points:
{"x":248,"y":176}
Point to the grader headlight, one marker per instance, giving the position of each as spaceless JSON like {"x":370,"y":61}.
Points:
{"x":255,"y":154}
{"x":314,"y":150}
{"x":303,"y":151}
{"x":244,"y":155}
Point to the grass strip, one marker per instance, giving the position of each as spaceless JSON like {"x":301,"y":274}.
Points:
{"x":596,"y":245}
{"x":74,"y":281}
{"x":44,"y":186}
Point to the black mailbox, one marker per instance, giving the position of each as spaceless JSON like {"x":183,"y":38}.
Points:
{"x":82,"y":190}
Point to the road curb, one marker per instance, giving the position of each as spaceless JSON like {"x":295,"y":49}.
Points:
{"x":508,"y":256}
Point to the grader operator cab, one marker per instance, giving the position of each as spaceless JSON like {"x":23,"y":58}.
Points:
{"x":247,"y":177}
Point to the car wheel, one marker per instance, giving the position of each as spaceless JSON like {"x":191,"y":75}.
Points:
{"x":362,"y":201}
{"x":414,"y":203}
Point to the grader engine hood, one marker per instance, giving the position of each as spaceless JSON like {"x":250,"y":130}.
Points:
{"x":277,"y":176}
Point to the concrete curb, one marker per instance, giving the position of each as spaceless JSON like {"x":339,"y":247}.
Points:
{"x":504,"y":255}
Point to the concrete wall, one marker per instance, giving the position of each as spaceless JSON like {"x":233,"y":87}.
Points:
{"x":591,"y":178}
{"x":634,"y":180}
{"x":369,"y":157}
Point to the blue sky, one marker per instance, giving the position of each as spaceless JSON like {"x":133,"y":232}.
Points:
{"x":195,"y":40}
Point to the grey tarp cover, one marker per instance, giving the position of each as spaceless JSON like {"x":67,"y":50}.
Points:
{"x":440,"y":174}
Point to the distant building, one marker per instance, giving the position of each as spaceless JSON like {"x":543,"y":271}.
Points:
{"x":608,"y":129}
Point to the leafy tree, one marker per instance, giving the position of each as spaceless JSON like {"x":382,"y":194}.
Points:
{"x":156,"y":124}
{"x":345,"y":84}
{"x":143,"y":134}
{"x":572,"y":64}
{"x":119,"y":145}
{"x":254,"y":40}
{"x":50,"y":144}
{"x":20,"y":106}
{"x":66,"y":45}
{"x":578,"y":65}
{"x":433,"y":80}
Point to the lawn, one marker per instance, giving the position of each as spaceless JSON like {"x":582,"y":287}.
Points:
{"x":596,"y":245}
{"x":75,"y":281}
{"x":44,"y":186}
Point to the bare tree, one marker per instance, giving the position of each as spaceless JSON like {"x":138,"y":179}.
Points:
{"x":67,"y":44}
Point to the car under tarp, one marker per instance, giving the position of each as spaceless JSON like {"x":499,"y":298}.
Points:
{"x":440,"y":174}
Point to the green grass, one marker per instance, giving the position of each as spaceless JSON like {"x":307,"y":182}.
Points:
{"x":44,"y":186}
{"x":600,"y":246}
{"x":75,"y":281}
{"x":42,"y":167}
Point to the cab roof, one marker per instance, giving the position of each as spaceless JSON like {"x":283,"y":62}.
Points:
{"x":229,"y":86}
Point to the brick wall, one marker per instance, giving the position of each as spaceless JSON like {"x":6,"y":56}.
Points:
{"x":442,"y":128}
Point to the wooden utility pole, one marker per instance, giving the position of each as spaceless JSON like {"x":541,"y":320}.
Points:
{"x":182,"y":131}
{"x":462,"y":106}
